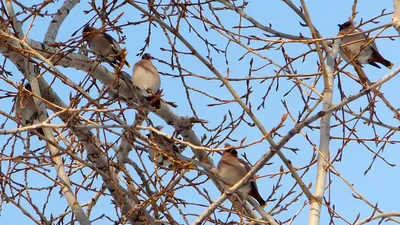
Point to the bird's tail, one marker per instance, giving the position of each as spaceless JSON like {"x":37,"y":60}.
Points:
{"x":120,"y":63}
{"x":379,"y":59}
{"x":40,"y":131}
{"x":256,"y":195}
{"x":121,"y":59}
{"x":388,"y":64}
{"x":155,"y":102}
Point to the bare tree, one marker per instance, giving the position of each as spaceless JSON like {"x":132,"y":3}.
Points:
{"x":93,"y":138}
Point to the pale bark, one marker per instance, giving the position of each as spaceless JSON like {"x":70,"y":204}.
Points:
{"x":396,"y":15}
{"x":378,"y":216}
{"x":126,"y":199}
{"x":323,"y":151}
{"x":88,"y":140}
{"x":57,"y":21}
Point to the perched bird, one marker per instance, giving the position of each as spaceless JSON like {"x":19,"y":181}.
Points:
{"x":145,"y":77}
{"x":166,"y":145}
{"x":26,"y":111}
{"x":104,"y":45}
{"x":233,"y":169}
{"x":351,"y":45}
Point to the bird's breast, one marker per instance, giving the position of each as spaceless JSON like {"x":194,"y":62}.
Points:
{"x":146,"y":79}
{"x":231,"y":173}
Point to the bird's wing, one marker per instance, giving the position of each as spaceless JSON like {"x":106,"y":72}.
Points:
{"x":254,"y":185}
{"x":372,"y":44}
{"x":245,"y":164}
{"x":374,"y":47}
{"x":113,"y":43}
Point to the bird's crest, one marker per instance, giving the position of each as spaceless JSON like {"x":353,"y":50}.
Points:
{"x":345,"y":25}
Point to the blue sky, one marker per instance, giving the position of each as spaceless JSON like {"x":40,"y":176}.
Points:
{"x":378,"y":186}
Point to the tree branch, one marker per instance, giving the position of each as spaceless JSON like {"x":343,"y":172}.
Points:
{"x":57,"y":21}
{"x":396,"y":15}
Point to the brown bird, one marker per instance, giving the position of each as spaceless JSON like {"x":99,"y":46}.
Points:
{"x":167,"y":146}
{"x":145,"y":77}
{"x":233,"y":169}
{"x":351,"y":45}
{"x":26,"y":111}
{"x":104,"y":45}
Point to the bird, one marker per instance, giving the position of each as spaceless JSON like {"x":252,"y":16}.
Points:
{"x":145,"y":77}
{"x":104,"y":45}
{"x":166,"y":145}
{"x":351,"y":45}
{"x":26,"y":111}
{"x":233,"y":169}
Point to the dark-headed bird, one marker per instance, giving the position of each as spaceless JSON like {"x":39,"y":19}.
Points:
{"x":233,"y":169}
{"x":351,"y":45}
{"x":104,"y":45}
